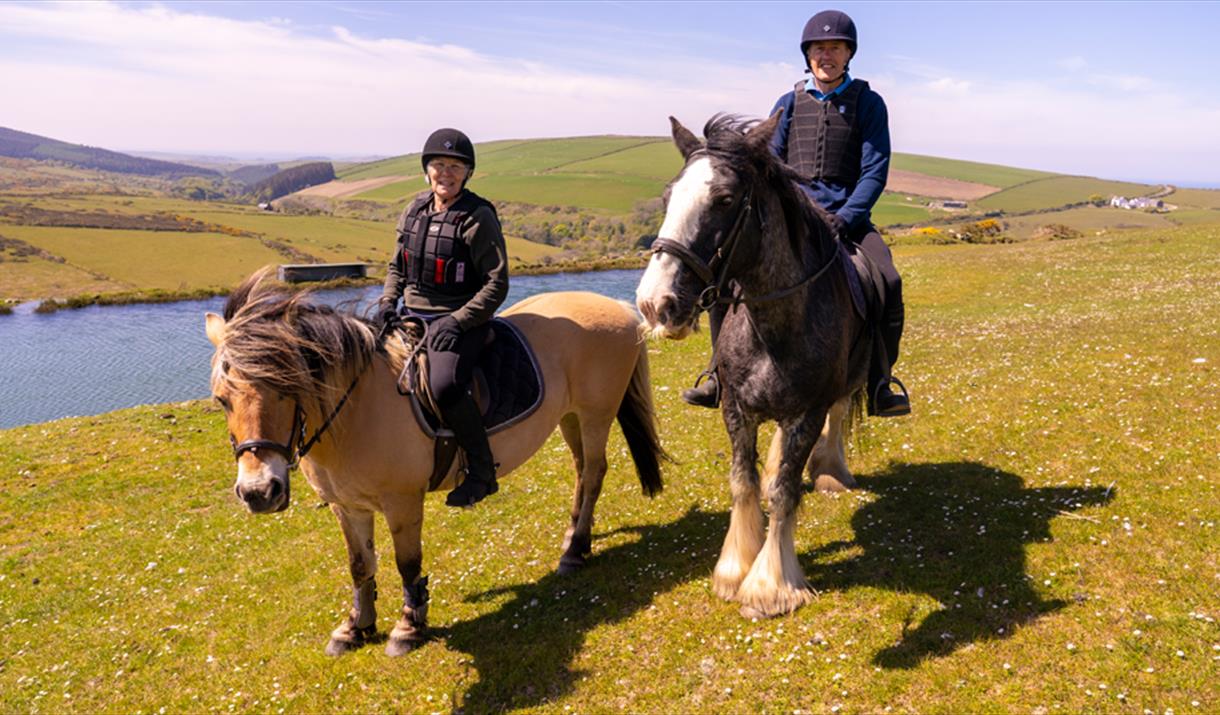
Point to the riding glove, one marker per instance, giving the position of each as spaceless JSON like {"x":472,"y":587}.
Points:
{"x":838,"y":227}
{"x":445,"y":332}
{"x":389,"y":317}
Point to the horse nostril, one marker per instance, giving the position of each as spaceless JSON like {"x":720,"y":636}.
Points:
{"x":665,"y":309}
{"x":275,"y":491}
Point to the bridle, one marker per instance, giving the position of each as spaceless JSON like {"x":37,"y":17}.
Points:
{"x":297,"y":446}
{"x":714,"y":272}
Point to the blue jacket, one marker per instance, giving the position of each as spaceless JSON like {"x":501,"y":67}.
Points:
{"x":853,"y":204}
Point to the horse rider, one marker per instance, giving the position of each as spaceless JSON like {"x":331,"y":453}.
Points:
{"x":450,"y":267}
{"x":835,"y":131}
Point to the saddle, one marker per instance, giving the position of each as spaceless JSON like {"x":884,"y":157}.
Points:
{"x":506,"y":383}
{"x":864,"y":282}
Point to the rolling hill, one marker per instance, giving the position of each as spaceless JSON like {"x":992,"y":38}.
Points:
{"x":22,"y":145}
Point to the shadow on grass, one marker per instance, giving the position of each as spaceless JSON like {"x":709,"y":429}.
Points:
{"x":956,"y":532}
{"x":523,"y":651}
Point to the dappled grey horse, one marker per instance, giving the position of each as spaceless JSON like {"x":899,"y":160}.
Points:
{"x":739,"y":231}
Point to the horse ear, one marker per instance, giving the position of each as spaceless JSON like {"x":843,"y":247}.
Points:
{"x":764,"y":131}
{"x":687,"y":142}
{"x":215,"y":326}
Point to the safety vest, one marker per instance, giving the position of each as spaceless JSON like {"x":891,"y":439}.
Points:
{"x":434,"y":254}
{"x":824,"y":140}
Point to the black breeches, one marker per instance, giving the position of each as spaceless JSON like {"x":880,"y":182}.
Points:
{"x":450,"y":371}
{"x":894,"y":314}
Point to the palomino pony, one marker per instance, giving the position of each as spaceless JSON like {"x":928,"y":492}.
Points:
{"x":285,"y":368}
{"x":739,"y":231}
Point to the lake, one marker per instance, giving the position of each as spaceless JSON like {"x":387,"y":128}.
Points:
{"x":103,"y":358}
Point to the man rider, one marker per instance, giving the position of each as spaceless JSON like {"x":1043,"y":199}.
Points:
{"x":835,"y":130}
{"x":450,"y":267}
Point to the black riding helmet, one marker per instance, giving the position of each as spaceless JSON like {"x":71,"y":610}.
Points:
{"x":828,"y":25}
{"x":448,"y":142}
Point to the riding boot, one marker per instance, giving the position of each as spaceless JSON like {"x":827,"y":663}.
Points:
{"x":883,"y":401}
{"x":706,"y":392}
{"x":467,"y":424}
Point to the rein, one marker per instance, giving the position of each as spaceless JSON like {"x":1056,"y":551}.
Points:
{"x":297,"y":446}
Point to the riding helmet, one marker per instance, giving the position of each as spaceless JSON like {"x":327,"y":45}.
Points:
{"x":448,"y":142}
{"x":828,"y":25}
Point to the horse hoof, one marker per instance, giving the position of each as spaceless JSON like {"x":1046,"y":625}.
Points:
{"x":401,"y":646}
{"x":570,"y":565}
{"x":826,"y":482}
{"x":338,"y":647}
{"x":753,"y":613}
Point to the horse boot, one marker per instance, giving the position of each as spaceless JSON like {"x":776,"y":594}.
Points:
{"x":705,"y":393}
{"x":467,"y":425}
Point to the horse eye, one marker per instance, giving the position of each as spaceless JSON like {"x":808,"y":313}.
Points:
{"x":224,"y":403}
{"x":726,"y":200}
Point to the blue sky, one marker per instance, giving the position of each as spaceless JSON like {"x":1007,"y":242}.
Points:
{"x":1119,"y":90}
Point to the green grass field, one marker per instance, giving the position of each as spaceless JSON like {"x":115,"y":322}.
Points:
{"x":973,"y":171}
{"x":1039,"y":536}
{"x":1057,"y":191}
{"x":1195,"y":198}
{"x":895,"y":209}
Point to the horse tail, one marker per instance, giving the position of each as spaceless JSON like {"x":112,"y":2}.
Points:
{"x":854,"y":417}
{"x":638,"y":420}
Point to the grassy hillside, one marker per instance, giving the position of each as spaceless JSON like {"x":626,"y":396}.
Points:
{"x":1058,"y":191}
{"x":990,"y":174}
{"x":22,"y":145}
{"x":1039,"y":536}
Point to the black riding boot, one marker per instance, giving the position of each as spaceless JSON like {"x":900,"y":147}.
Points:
{"x":704,"y":394}
{"x":883,"y":400}
{"x":707,"y":392}
{"x":467,"y":425}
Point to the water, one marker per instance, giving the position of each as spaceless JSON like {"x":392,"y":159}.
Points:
{"x":99,"y":359}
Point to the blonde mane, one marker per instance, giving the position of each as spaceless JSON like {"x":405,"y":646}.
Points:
{"x":282,"y":341}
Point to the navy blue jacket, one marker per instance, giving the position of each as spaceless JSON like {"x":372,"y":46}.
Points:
{"x":853,"y":204}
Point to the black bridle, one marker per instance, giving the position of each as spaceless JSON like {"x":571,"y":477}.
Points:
{"x":714,"y":272}
{"x":297,"y":446}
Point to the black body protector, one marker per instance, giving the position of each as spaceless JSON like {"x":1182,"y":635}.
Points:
{"x":825,"y":142}
{"x":434,"y":255}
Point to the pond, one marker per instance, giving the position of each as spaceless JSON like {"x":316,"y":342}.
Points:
{"x":103,"y":358}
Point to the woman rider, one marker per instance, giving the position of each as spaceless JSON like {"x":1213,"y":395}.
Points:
{"x":451,"y":268}
{"x":835,"y":130}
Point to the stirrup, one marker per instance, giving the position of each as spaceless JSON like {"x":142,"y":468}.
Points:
{"x":886,"y":403}
{"x":698,"y":396}
{"x":472,"y":491}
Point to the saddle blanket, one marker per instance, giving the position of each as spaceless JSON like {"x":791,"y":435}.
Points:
{"x":507,"y":383}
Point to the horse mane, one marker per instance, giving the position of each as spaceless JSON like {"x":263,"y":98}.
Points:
{"x":280,"y":340}
{"x":729,"y":141}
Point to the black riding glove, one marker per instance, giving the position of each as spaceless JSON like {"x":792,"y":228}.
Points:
{"x":389,"y":317}
{"x":445,"y":332}
{"x":838,"y":227}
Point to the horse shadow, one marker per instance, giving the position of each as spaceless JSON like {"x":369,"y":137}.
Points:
{"x":957,"y":533}
{"x":524,"y":661}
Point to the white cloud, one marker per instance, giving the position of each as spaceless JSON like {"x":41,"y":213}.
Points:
{"x":159,"y":78}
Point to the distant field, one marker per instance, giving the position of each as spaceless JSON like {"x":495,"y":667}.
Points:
{"x":1088,"y":220}
{"x":657,"y":160}
{"x":1191,"y":217}
{"x":39,"y":278}
{"x":894,"y":208}
{"x":153,"y":259}
{"x":972,"y":171}
{"x":1058,"y":191}
{"x":396,"y":191}
{"x":1195,"y":198}
{"x":615,"y":194}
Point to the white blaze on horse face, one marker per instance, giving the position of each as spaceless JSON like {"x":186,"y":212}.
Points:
{"x":656,"y":295}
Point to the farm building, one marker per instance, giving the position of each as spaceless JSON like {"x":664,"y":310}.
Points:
{"x":1139,"y":202}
